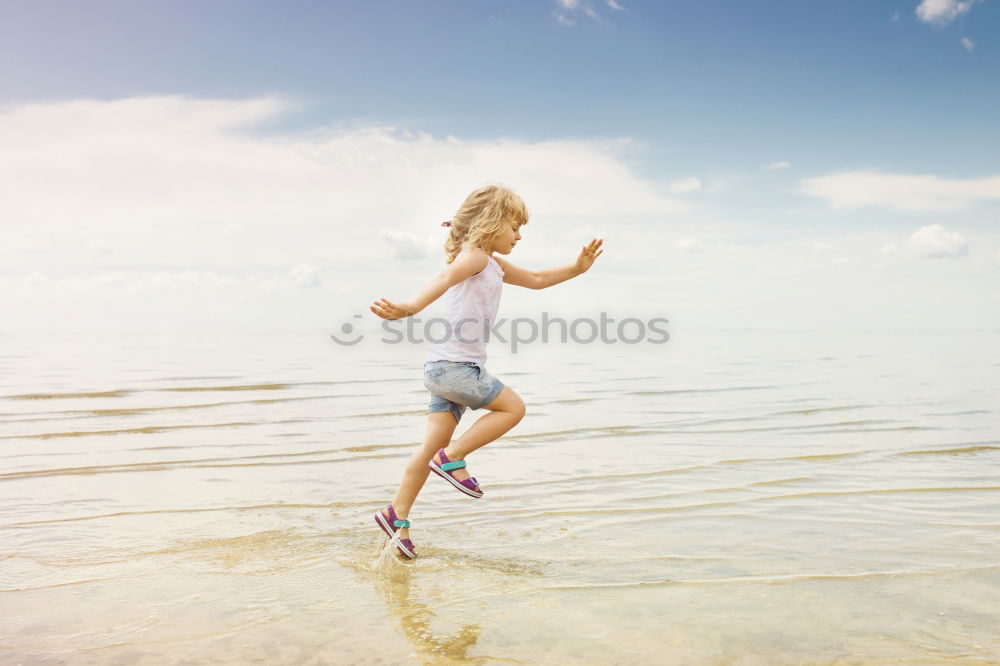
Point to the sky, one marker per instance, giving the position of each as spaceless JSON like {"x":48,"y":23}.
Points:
{"x":272,"y":166}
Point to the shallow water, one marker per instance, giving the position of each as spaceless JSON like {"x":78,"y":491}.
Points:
{"x":731,"y":497}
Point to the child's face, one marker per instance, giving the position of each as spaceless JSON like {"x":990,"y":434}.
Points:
{"x":505,"y":242}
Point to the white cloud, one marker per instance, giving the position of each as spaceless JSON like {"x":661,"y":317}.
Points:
{"x":173,"y":212}
{"x":689,"y":245}
{"x":406,"y":245}
{"x":128,"y":282}
{"x":903,"y":192}
{"x":585,"y":232}
{"x":683,"y":185}
{"x":232,"y":227}
{"x":941,"y":12}
{"x":159,"y":280}
{"x":968,"y":44}
{"x":306,"y":275}
{"x":566,"y":9}
{"x":105,"y":243}
{"x":78,"y":284}
{"x":777,"y":165}
{"x":93,"y":193}
{"x":933,"y":241}
{"x":171,"y":171}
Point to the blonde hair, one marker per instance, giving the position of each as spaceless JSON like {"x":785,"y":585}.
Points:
{"x":482,"y":217}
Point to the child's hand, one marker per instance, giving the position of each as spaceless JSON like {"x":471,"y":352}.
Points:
{"x":588,"y":254}
{"x":388,"y":310}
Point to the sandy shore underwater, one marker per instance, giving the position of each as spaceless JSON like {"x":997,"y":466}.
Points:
{"x":727,"y":498}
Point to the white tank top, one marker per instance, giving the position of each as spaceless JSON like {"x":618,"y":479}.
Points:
{"x":470,"y":308}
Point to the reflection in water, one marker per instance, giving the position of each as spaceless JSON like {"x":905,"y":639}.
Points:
{"x":394,"y":580}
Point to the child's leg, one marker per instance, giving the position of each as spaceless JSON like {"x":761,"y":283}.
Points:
{"x":440,"y":427}
{"x":506,"y":411}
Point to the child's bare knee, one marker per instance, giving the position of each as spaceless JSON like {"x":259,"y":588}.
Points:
{"x":518,"y":410}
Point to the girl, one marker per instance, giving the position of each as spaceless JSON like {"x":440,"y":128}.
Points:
{"x":488,"y":223}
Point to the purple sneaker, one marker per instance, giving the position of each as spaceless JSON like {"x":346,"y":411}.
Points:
{"x":390,"y":525}
{"x":443,"y":469}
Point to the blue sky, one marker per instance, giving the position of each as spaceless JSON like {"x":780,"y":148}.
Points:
{"x":819,"y":137}
{"x":706,"y":83}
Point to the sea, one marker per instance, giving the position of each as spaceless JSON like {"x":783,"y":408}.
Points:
{"x":734,"y":497}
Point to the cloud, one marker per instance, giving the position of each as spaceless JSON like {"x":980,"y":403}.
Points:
{"x":586,"y":232}
{"x":108,"y":245}
{"x":685,"y":185}
{"x":127,"y":282}
{"x":163,"y":212}
{"x":968,"y":44}
{"x":689,"y":245}
{"x":777,"y":165}
{"x":942,"y":12}
{"x":934,"y":242}
{"x":177,"y":280}
{"x":171,"y":170}
{"x":232,"y":227}
{"x":406,"y":245}
{"x":903,"y":192}
{"x":173,"y":204}
{"x":78,"y":284}
{"x":306,"y":275}
{"x":567,"y":9}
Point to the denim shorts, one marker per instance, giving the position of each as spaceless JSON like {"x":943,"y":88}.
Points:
{"x":455,"y":385}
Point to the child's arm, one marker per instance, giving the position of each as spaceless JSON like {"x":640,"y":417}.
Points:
{"x":467,"y":264}
{"x":522,"y":277}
